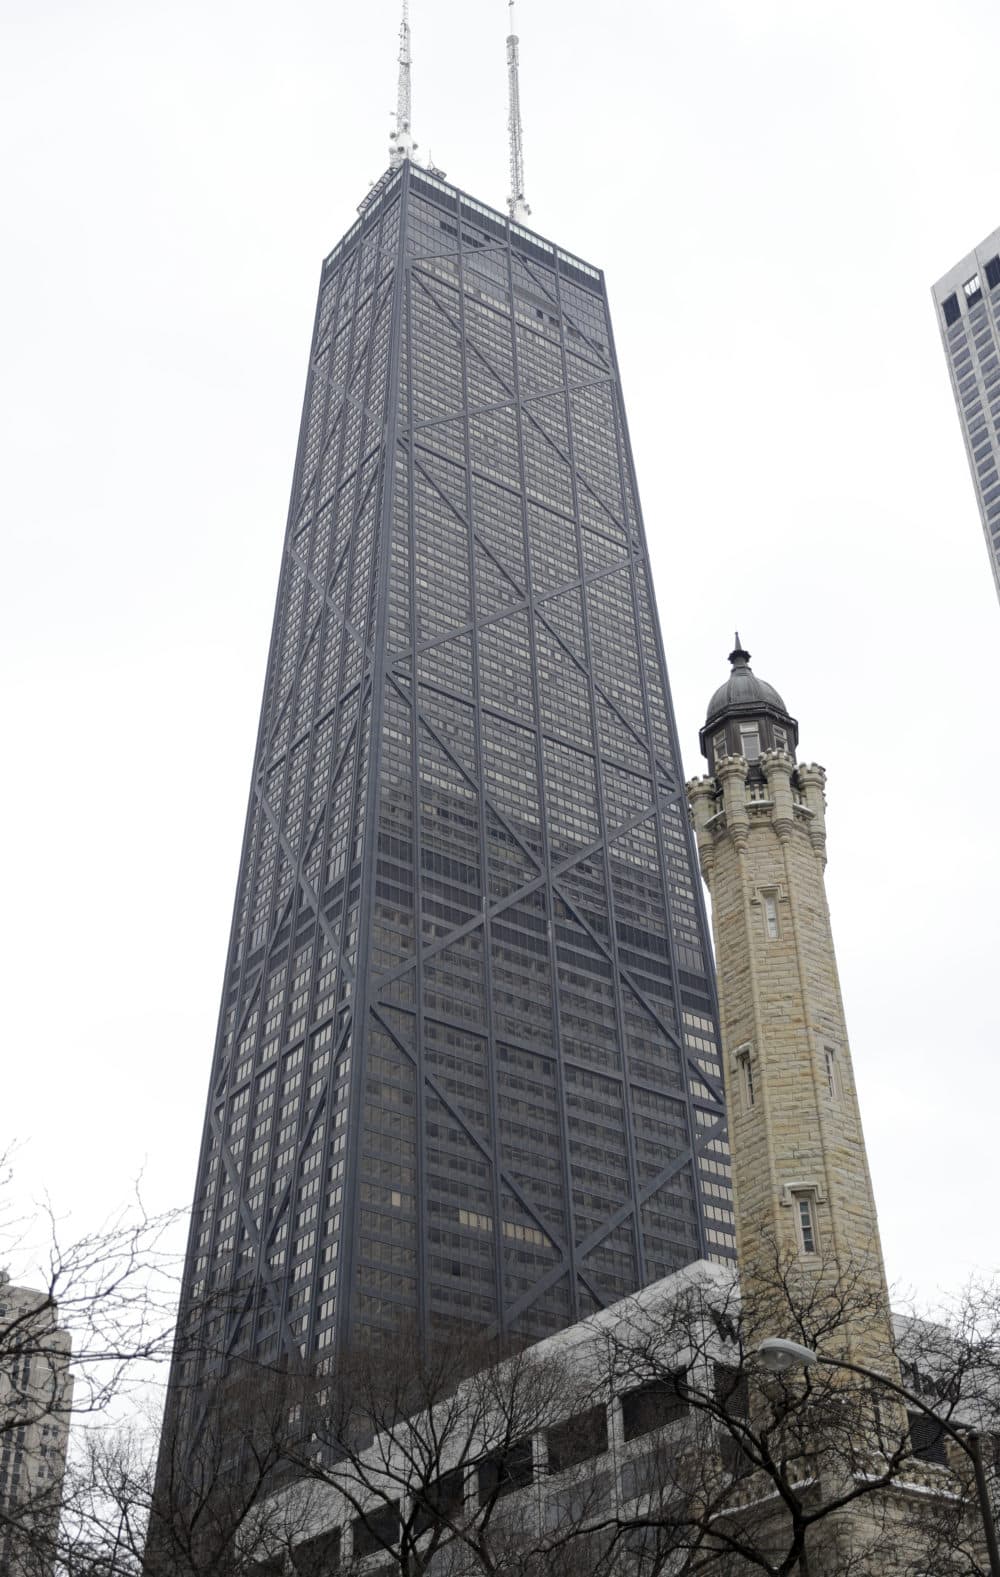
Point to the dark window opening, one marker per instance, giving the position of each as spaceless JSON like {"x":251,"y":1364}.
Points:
{"x":731,"y":1391}
{"x":951,"y":309}
{"x":439,"y":1501}
{"x":733,"y":1455}
{"x":505,"y":1471}
{"x":317,"y":1557}
{"x":927,"y":1439}
{"x":654,"y":1404}
{"x":377,"y":1530}
{"x":578,"y":1438}
{"x":733,"y":1398}
{"x":993,"y":272}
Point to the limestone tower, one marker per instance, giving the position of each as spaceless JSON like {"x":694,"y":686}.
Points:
{"x":803,"y":1193}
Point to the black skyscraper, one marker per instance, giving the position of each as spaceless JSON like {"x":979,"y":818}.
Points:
{"x":467,"y":1065}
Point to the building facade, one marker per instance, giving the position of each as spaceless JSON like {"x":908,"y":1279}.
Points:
{"x":466,"y":1070}
{"x":36,"y":1393}
{"x":803,"y":1192}
{"x":967,"y":300}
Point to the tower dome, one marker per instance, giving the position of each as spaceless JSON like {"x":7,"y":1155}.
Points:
{"x":746,"y":716}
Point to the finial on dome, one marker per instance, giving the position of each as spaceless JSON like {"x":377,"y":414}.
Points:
{"x":739,"y":657}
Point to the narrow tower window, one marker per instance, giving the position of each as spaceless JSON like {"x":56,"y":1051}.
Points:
{"x":770,"y":901}
{"x":830,"y":1058}
{"x":746,"y":1073}
{"x":750,"y":740}
{"x":719,"y":745}
{"x":807,"y":1223}
{"x":780,"y":738}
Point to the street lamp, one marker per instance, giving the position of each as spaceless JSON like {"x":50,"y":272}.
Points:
{"x":779,"y":1355}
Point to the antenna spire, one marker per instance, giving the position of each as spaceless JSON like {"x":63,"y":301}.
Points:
{"x":516,"y":205}
{"x":401,"y":140}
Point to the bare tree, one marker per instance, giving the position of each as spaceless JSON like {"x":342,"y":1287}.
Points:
{"x":657,"y":1443}
{"x":426,"y":1456}
{"x":201,"y":1505}
{"x":649,"y":1442}
{"x":74,"y":1344}
{"x":825,"y":1469}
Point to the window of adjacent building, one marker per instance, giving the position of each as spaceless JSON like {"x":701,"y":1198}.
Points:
{"x":927,"y":1439}
{"x":770,"y":902}
{"x":805,"y":1210}
{"x":578,"y":1438}
{"x":993,"y":272}
{"x":440,"y":1501}
{"x":973,"y":290}
{"x":505,"y":1471}
{"x":830,"y":1061}
{"x":951,"y":309}
{"x":732,"y":1398}
{"x":315,"y":1557}
{"x":731,"y":1390}
{"x":378,"y":1529}
{"x":750,"y":741}
{"x":743,"y":1058}
{"x":654,"y":1404}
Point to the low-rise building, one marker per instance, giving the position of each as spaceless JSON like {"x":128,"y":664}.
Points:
{"x":641,"y":1441}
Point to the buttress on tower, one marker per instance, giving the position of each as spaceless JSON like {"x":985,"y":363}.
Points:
{"x":802,"y":1186}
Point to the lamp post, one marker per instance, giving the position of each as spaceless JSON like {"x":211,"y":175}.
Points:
{"x":779,"y":1355}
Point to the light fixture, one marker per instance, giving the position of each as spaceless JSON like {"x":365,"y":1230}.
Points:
{"x":779,"y":1355}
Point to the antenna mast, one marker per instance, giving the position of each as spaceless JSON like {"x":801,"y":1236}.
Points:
{"x":516,"y":205}
{"x":401,"y":140}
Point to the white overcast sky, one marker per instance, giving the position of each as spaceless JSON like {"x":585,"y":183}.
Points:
{"x":771,"y":187}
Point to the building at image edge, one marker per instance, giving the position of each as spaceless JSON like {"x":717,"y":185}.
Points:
{"x":967,"y":300}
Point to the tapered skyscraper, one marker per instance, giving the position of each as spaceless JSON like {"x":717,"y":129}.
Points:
{"x":467,"y":1067}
